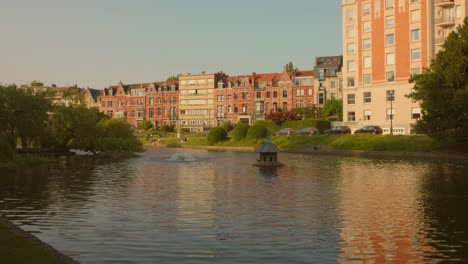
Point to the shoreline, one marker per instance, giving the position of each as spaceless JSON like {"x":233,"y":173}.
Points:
{"x":35,"y":242}
{"x":325,"y":150}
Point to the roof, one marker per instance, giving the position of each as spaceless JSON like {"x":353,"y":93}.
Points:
{"x":268,"y":148}
{"x":304,"y":73}
{"x":328,"y":62}
{"x":262,"y":77}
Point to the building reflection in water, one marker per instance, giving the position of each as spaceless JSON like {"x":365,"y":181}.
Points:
{"x":381,"y":214}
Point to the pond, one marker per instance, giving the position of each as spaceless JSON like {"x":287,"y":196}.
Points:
{"x":197,"y":206}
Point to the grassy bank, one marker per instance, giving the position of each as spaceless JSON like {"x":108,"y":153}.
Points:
{"x":15,"y":248}
{"x":393,"y":143}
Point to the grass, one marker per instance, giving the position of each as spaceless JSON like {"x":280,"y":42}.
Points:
{"x":393,"y":143}
{"x":16,"y":249}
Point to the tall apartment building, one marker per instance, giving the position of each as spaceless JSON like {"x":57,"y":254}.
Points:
{"x":384,"y":43}
{"x":196,"y":103}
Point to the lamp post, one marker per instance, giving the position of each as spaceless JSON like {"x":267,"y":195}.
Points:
{"x":391,"y":112}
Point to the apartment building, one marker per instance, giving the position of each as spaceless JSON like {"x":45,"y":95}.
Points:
{"x":196,"y":93}
{"x":385,"y":42}
{"x":162,"y":103}
{"x":327,"y":79}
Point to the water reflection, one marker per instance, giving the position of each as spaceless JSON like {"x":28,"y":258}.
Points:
{"x":196,"y":206}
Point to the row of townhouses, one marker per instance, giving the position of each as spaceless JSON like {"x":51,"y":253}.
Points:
{"x":385,"y":42}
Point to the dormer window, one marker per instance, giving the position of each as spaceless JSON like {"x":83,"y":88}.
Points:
{"x":220,"y":85}
{"x":274,"y":82}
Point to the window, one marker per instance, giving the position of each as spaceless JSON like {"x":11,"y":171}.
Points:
{"x":350,"y":49}
{"x":415,"y":36}
{"x":367,"y":97}
{"x":365,"y":9}
{"x":350,"y":32}
{"x":236,"y":96}
{"x":300,"y":92}
{"x":366,"y":26}
{"x":351,"y":116}
{"x":389,"y":22}
{"x":350,"y":81}
{"x":367,"y":79}
{"x":332,"y":84}
{"x":415,"y":15}
{"x":245,"y":95}
{"x":351,"y":65}
{"x":268,"y":94}
{"x":275,"y":94}
{"x":236,"y":109}
{"x":367,"y":62}
{"x":390,"y":76}
{"x":259,"y":94}
{"x":285,"y":93}
{"x":367,"y":115}
{"x":389,"y":40}
{"x":349,"y":14}
{"x":151,"y":113}
{"x":415,"y":113}
{"x":322,"y":72}
{"x":244,"y":108}
{"x":388,"y":3}
{"x":390,"y":58}
{"x":151,"y":101}
{"x":415,"y":54}
{"x":415,"y":71}
{"x":366,"y":44}
{"x":351,"y":98}
{"x":321,"y":99}
{"x":390,"y":95}
{"x":458,"y":11}
{"x":390,"y":113}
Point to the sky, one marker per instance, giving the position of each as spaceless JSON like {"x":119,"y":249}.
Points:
{"x":97,"y":43}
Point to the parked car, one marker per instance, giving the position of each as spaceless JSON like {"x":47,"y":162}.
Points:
{"x":307,"y":131}
{"x":369,"y":130}
{"x":338,"y":130}
{"x":285,"y":132}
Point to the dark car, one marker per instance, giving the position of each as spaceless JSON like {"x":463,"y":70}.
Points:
{"x":307,"y":131}
{"x":338,"y":130}
{"x":285,"y":132}
{"x":376,"y":130}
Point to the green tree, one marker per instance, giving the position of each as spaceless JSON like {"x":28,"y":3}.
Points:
{"x":333,"y":107}
{"x":146,"y":125}
{"x":173,"y":78}
{"x":240,"y":131}
{"x":290,"y":67}
{"x":442,"y":91}
{"x":216,"y":135}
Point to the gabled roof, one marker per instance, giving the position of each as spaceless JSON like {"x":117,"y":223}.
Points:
{"x":268,"y":148}
{"x":266,"y":77}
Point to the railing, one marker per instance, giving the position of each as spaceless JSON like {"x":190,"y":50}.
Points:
{"x":443,"y":3}
{"x":445,"y":21}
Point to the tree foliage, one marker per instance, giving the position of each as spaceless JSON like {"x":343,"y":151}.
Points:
{"x":290,"y":67}
{"x":173,"y":78}
{"x":257,"y":132}
{"x":313,"y":112}
{"x":216,"y":135}
{"x":240,"y":131}
{"x":146,"y":125}
{"x":333,"y":107}
{"x":442,"y":91}
{"x":278,"y":117}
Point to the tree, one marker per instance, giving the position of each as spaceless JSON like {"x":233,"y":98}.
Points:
{"x":289,"y":67}
{"x":278,"y":117}
{"x":216,"y":135}
{"x":146,"y":125}
{"x":313,"y":112}
{"x":173,"y":78}
{"x":442,"y":91}
{"x":333,"y":107}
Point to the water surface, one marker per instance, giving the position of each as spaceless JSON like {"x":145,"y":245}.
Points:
{"x":198,"y":206}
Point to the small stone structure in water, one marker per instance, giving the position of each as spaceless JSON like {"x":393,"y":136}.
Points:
{"x":268,"y":156}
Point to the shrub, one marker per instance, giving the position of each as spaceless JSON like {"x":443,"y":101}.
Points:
{"x":167,"y":128}
{"x":257,"y":132}
{"x":227,"y":125}
{"x":240,"y":131}
{"x":216,"y":135}
{"x":146,"y":125}
{"x":321,"y":125}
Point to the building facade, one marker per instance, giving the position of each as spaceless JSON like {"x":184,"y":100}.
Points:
{"x":328,"y":79}
{"x":196,"y":102}
{"x":385,"y":42}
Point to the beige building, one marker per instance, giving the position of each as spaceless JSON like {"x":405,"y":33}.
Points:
{"x":196,"y":102}
{"x":385,"y":42}
{"x":327,"y":79}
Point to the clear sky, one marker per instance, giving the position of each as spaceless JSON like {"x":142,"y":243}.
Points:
{"x":97,"y":43}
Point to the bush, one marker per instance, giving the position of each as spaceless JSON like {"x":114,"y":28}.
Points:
{"x":321,"y":125}
{"x":257,"y":132}
{"x":240,"y":131}
{"x":167,"y":128}
{"x":216,"y":135}
{"x":227,"y":125}
{"x":146,"y":125}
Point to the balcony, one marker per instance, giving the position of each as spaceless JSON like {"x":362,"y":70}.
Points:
{"x":444,"y":3}
{"x":445,"y":21}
